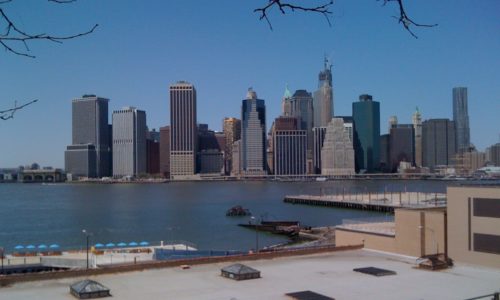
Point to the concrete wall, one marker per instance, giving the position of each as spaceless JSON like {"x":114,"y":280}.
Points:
{"x":345,"y":237}
{"x":462,"y":224}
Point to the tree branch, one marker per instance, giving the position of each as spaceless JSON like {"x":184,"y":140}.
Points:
{"x":9,"y":113}
{"x":405,"y":20}
{"x":283,"y":6}
{"x":16,"y":35}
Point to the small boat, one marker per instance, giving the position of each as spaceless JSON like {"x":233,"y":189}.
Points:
{"x":238,"y":211}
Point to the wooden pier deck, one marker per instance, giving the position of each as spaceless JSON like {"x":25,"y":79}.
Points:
{"x":382,"y":202}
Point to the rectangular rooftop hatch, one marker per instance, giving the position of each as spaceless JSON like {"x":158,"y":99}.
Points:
{"x":374,"y":271}
{"x":308,"y":295}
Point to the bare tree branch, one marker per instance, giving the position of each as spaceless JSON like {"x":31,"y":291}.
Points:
{"x":9,"y":113}
{"x":405,"y":20}
{"x":283,"y":6}
{"x":15,"y":35}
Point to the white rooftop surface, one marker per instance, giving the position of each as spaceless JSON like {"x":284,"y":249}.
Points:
{"x":329,"y":274}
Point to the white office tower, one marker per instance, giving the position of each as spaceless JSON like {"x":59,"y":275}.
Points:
{"x":337,"y":154}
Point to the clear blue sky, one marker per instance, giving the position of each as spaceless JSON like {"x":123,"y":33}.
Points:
{"x":220,"y":46}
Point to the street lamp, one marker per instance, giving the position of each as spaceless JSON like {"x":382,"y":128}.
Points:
{"x":256,"y":234}
{"x":433,"y":237}
{"x":87,"y":236}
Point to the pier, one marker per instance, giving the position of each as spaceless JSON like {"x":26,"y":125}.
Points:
{"x":382,"y":202}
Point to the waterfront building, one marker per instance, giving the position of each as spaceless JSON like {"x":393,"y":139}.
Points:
{"x":232,"y":133}
{"x":401,"y":146}
{"x":289,"y":147}
{"x":466,"y":163}
{"x":323,"y":97}
{"x":129,"y":142}
{"x":474,"y":225}
{"x":183,"y":136}
{"x":417,"y":127}
{"x":165,"y":151}
{"x":153,"y":152}
{"x":337,"y":153}
{"x":438,"y":142}
{"x":89,"y":127}
{"x":366,"y":115}
{"x":236,"y":159}
{"x":461,"y":119}
{"x":211,"y":161}
{"x":81,"y":161}
{"x":318,"y":139}
{"x":385,"y":153}
{"x":493,"y":154}
{"x":253,"y":135}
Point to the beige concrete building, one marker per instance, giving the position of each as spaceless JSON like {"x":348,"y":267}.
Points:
{"x":414,"y":232}
{"x":474,"y":225}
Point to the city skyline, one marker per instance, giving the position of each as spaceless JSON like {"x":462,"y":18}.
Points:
{"x":420,"y":73}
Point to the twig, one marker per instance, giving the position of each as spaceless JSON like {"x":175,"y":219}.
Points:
{"x":9,"y":113}
{"x":405,"y":20}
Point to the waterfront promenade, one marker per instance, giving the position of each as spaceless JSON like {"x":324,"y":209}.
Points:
{"x":382,"y":202}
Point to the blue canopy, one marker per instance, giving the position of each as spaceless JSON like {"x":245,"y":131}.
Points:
{"x":42,"y":246}
{"x":18,"y":247}
{"x":54,"y":246}
{"x":144,"y":243}
{"x":133,"y":244}
{"x":99,"y":245}
{"x":110,"y":245}
{"x":30,"y":247}
{"x":122,"y":244}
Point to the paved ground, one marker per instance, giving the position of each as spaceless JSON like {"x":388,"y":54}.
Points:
{"x":328,"y":274}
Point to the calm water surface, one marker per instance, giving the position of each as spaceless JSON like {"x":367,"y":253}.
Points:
{"x":190,"y":211}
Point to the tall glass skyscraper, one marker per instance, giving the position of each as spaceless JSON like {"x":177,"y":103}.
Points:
{"x":323,"y":97}
{"x":461,"y":118}
{"x":253,"y":135}
{"x":366,"y":115}
{"x":89,"y":154}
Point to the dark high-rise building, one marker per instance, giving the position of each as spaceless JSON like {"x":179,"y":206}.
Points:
{"x":366,"y":115}
{"x":183,"y":136}
{"x":301,"y":107}
{"x":384,"y":153}
{"x":253,"y":135}
{"x":286,"y":123}
{"x":318,"y":139}
{"x":438,"y":142}
{"x":232,"y":133}
{"x":323,"y":97}
{"x":153,"y":152}
{"x":90,"y":127}
{"x":461,"y":118}
{"x":165,"y":151}
{"x":81,"y":160}
{"x":402,"y":145}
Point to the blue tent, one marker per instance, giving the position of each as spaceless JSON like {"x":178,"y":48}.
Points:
{"x":99,"y":245}
{"x":110,"y":245}
{"x":133,"y":244}
{"x":31,"y":247}
{"x":19,"y":247}
{"x":54,"y":246}
{"x":122,"y":244}
{"x":144,"y":243}
{"x":42,"y":246}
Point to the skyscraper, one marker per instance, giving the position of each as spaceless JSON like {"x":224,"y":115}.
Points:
{"x":461,"y":118}
{"x":401,"y":145}
{"x":366,"y":115}
{"x":289,"y":147}
{"x":232,"y":133}
{"x":337,"y":154}
{"x":253,"y":135}
{"x":89,"y":127}
{"x":323,"y":97}
{"x":318,"y":140}
{"x":153,"y":152}
{"x":165,"y":151}
{"x":129,"y":142}
{"x":417,"y":127}
{"x":301,"y":107}
{"x":183,"y":136}
{"x":438,"y":142}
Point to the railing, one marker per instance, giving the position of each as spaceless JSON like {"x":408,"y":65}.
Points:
{"x":494,"y":296}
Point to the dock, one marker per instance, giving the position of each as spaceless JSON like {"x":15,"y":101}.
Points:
{"x":381,"y":202}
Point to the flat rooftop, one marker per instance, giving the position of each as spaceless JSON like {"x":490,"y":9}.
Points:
{"x":329,"y":274}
